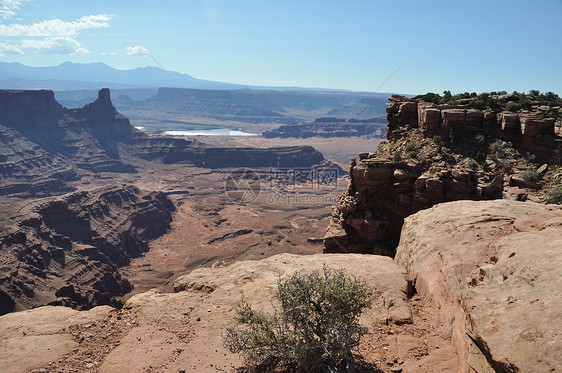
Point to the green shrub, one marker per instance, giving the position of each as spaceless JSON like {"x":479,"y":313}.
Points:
{"x":504,"y":165}
{"x":315,"y":328}
{"x":525,"y":104}
{"x":413,"y":154}
{"x":453,"y":137}
{"x":431,"y":97}
{"x":397,"y":157}
{"x":438,"y":140}
{"x":496,"y":147}
{"x":555,"y":196}
{"x":480,"y":140}
{"x":472,"y":164}
{"x":512,"y":106}
{"x":531,"y":175}
{"x":411,"y":145}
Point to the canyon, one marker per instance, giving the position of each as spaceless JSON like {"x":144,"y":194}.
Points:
{"x":123,"y":251}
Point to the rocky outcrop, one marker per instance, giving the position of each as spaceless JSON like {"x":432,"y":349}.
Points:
{"x":319,"y":128}
{"x":534,"y":130}
{"x":368,"y":216}
{"x":67,"y":251}
{"x":182,"y":330}
{"x":492,"y":271}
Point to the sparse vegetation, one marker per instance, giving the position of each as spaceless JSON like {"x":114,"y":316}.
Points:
{"x":411,"y":145}
{"x":438,"y":140}
{"x":512,"y":106}
{"x":555,"y":196}
{"x":397,"y":157}
{"x":529,"y":159}
{"x":452,"y":137}
{"x":496,"y":147}
{"x":517,"y":100}
{"x":315,"y":329}
{"x":471,"y":163}
{"x":481,"y":157}
{"x":531,"y":175}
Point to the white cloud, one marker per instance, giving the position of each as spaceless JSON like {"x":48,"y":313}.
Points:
{"x":55,"y":45}
{"x":50,"y":45}
{"x":137,"y":50}
{"x":56,"y":27}
{"x":9,"y":8}
{"x":109,"y":53}
{"x":10,"y":49}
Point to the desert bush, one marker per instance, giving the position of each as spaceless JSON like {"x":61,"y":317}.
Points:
{"x":453,"y":137}
{"x":411,"y":145}
{"x":315,"y":328}
{"x":413,"y":154}
{"x":512,"y":106}
{"x":431,"y":97}
{"x":397,"y":157}
{"x":555,"y":196}
{"x":438,"y":140}
{"x":529,"y":158}
{"x":496,"y":147}
{"x":480,"y":140}
{"x":472,"y":164}
{"x":531,"y":175}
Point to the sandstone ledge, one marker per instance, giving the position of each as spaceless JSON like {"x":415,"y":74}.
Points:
{"x":492,"y":271}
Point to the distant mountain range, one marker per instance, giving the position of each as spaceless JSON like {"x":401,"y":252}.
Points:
{"x":79,"y":76}
{"x":152,"y":94}
{"x":75,"y":76}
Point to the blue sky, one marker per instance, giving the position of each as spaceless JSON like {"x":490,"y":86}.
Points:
{"x":356,"y":45}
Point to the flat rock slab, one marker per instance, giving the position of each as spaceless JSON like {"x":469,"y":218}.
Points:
{"x":205,"y":301}
{"x":493,"y":271}
{"x":31,"y":339}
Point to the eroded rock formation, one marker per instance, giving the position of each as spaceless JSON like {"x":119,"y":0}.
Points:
{"x":44,"y":147}
{"x":492,"y":271}
{"x":68,"y":251}
{"x":535,"y":130}
{"x":324,"y":128}
{"x":368,"y":216}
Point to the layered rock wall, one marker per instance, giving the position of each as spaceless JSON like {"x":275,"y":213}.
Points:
{"x":368,"y":216}
{"x":534,"y":130}
{"x":67,"y":251}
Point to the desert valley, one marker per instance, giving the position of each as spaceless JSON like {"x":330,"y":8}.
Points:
{"x":118,"y":242}
{"x":289,"y":187}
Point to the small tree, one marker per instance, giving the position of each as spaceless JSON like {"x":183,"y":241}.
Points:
{"x":315,"y":329}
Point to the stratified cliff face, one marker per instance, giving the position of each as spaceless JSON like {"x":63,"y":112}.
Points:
{"x":44,"y":147}
{"x":536,"y":130}
{"x":369,"y":215}
{"x":323,"y":128}
{"x":67,"y":251}
{"x":415,"y":173}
